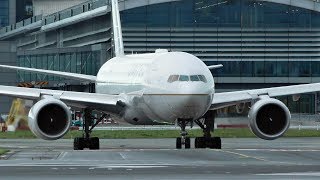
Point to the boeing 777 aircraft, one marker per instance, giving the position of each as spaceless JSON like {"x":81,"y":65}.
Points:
{"x":157,"y":87}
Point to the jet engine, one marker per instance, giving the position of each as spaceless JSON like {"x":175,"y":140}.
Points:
{"x":269,"y":118}
{"x":49,"y":119}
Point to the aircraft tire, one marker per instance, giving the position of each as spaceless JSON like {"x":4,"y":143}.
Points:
{"x":199,"y":142}
{"x":214,"y":143}
{"x":217,"y":142}
{"x":94,"y":143}
{"x":187,"y":144}
{"x":178,"y":143}
{"x":78,"y":143}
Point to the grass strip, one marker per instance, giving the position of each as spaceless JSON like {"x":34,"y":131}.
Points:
{"x":3,"y":151}
{"x":130,"y":134}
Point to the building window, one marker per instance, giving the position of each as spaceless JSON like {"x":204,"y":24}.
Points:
{"x":4,"y":13}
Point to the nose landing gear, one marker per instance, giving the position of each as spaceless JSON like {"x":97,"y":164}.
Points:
{"x":207,"y":125}
{"x":183,"y":140}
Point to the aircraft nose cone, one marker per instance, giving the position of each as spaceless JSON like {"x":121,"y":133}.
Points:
{"x":192,"y":101}
{"x":196,"y":88}
{"x":189,"y":106}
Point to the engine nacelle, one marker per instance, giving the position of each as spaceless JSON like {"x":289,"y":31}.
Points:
{"x":49,"y":119}
{"x":269,"y":118}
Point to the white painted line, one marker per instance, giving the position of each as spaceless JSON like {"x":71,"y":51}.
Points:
{"x":292,"y":174}
{"x":55,"y":165}
{"x":124,"y":157}
{"x":281,"y":150}
{"x":242,"y":155}
{"x":62,"y":155}
{"x":129,"y":167}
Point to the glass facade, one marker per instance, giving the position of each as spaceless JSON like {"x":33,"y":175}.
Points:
{"x":77,"y":62}
{"x":267,"y":68}
{"x":221,"y":13}
{"x":4,"y":13}
{"x":250,"y":38}
{"x":24,"y":9}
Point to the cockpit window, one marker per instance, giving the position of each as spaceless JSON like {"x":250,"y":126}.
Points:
{"x":173,"y":78}
{"x":194,"y":78}
{"x":183,"y":78}
{"x":202,"y":78}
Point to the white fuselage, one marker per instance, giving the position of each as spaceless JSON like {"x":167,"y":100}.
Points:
{"x":158,"y":87}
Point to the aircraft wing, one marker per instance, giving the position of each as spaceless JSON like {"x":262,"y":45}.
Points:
{"x":107,"y":103}
{"x":75,"y":76}
{"x":226,"y":99}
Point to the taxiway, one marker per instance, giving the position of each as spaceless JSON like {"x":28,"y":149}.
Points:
{"x":251,"y":158}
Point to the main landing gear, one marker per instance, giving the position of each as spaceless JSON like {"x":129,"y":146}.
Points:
{"x":207,"y":125}
{"x":86,"y":141}
{"x":183,"y":140}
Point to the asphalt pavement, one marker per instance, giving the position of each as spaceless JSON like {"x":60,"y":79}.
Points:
{"x":249,"y":158}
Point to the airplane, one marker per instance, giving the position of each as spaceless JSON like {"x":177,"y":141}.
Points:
{"x":172,"y":87}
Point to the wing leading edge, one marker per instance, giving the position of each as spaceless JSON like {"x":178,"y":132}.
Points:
{"x":75,"y":76}
{"x":109,"y":103}
{"x":226,"y":99}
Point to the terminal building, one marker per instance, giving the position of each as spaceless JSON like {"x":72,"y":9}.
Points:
{"x":261,"y":43}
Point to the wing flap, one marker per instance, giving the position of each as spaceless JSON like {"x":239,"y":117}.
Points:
{"x":19,"y":92}
{"x":75,"y":76}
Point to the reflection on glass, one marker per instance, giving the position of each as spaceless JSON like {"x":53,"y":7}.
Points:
{"x":203,"y":78}
{"x":246,"y":68}
{"x":282,"y":68}
{"x":194,"y":78}
{"x":183,"y":78}
{"x":269,"y":68}
{"x":220,"y":13}
{"x":258,"y":69}
{"x":315,"y":68}
{"x":173,"y":78}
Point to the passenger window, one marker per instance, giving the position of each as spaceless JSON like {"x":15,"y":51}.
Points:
{"x":202,"y":78}
{"x":173,"y":78}
{"x":184,"y":78}
{"x":194,"y":78}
